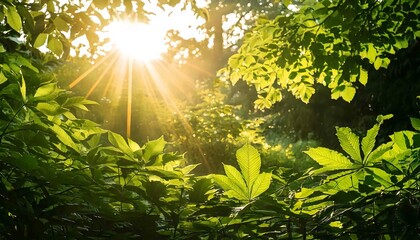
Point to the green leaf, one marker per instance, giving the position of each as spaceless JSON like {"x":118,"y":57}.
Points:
{"x":304,"y":192}
{"x":119,"y":142}
{"x":55,"y":45}
{"x":381,"y":118}
{"x":349,"y":142}
{"x":377,"y":154}
{"x":61,"y":24}
{"x":64,"y":137}
{"x":235,"y":177}
{"x":26,"y":162}
{"x":51,"y":108}
{"x":40,"y":40}
{"x":230,"y":188}
{"x":23,"y":90}
{"x":329,"y":158}
{"x":368,"y":142}
{"x":415,"y":122}
{"x":200,"y":190}
{"x":363,"y":76}
{"x":153,"y":148}
{"x":45,"y":90}
{"x":261,"y":184}
{"x":249,"y":162}
{"x":13,"y":18}
{"x":7,"y":184}
{"x":2,"y":78}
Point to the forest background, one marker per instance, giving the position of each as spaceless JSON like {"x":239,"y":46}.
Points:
{"x":299,"y":120}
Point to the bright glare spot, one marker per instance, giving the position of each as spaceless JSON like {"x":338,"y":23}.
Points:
{"x":137,"y":40}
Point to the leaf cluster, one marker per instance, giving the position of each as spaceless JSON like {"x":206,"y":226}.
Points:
{"x":328,"y":43}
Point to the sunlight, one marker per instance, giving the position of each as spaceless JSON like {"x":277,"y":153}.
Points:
{"x":137,"y":40}
{"x":134,"y":69}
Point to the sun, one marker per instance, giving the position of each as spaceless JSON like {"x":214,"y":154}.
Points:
{"x":138,"y":41}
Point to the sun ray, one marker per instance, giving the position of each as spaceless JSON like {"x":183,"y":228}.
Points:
{"x":162,"y":84}
{"x":87,"y":72}
{"x":129,"y":95}
{"x":101,"y":77}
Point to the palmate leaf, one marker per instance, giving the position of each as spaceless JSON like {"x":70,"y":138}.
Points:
{"x":329,"y":158}
{"x":349,"y":142}
{"x":249,"y":162}
{"x":249,"y":183}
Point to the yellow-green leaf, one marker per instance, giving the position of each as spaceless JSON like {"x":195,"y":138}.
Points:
{"x":230,"y":188}
{"x":235,"y":177}
{"x":61,"y":24}
{"x":153,"y":148}
{"x":13,"y":18}
{"x":348,"y":94}
{"x":363,"y":76}
{"x":261,"y":184}
{"x":371,"y":54}
{"x":40,"y":40}
{"x":368,"y":142}
{"x":377,"y":64}
{"x":349,"y":142}
{"x":249,"y":162}
{"x":45,"y":90}
{"x":2,"y":78}
{"x":329,"y":158}
{"x":55,"y":45}
{"x":23,"y":89}
{"x":119,"y":142}
{"x":64,"y":137}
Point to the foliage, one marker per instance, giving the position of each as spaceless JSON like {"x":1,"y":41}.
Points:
{"x":249,"y":183}
{"x":66,"y":177}
{"x":331,"y":43}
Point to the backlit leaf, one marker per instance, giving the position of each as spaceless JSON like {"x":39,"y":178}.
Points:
{"x":377,"y":154}
{"x":378,"y":63}
{"x":64,"y":137}
{"x":153,"y":148}
{"x":51,"y":108}
{"x":368,"y":142}
{"x":119,"y":142}
{"x":349,"y":142}
{"x":2,"y":78}
{"x":249,"y":162}
{"x":329,"y":158}
{"x":227,"y":185}
{"x":363,"y":76}
{"x":13,"y":18}
{"x":261,"y":184}
{"x":45,"y":90}
{"x":23,"y":89}
{"x":235,"y":176}
{"x":55,"y":45}
{"x":371,"y":54}
{"x":40,"y":40}
{"x":348,"y":94}
{"x":415,"y":122}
